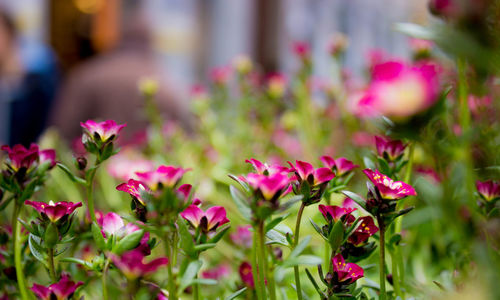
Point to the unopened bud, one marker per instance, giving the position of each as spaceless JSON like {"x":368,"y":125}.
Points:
{"x":81,"y":163}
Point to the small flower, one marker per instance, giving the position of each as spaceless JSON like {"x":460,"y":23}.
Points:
{"x":306,"y":172}
{"x":135,"y":188}
{"x":263,"y":168}
{"x":388,"y":188}
{"x":346,"y":273}
{"x":335,"y":213}
{"x":164,"y":176}
{"x":221,"y":75}
{"x":246,"y":274}
{"x":271,"y":186}
{"x":20,"y":157}
{"x":365,"y":229}
{"x":341,"y":165}
{"x":48,"y":156}
{"x":101,"y":131}
{"x":126,"y":163}
{"x":112,"y":225}
{"x":276,"y":85}
{"x":242,"y":64}
{"x":214,"y":217}
{"x":302,"y":49}
{"x":54,"y":211}
{"x":488,"y":190}
{"x":62,"y":290}
{"x":389,"y":149}
{"x":242,"y":236}
{"x":216,"y":273}
{"x":132,"y":265}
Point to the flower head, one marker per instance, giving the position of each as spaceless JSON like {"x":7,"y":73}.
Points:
{"x":302,"y":49}
{"x":214,"y":217}
{"x":365,"y":229}
{"x":62,"y":290}
{"x":54,"y":211}
{"x":335,"y":213}
{"x":134,"y":188}
{"x":217,"y":273}
{"x":20,"y":157}
{"x":341,"y":165}
{"x":101,"y":131}
{"x":164,"y":176}
{"x":132,"y":265}
{"x":488,"y":190}
{"x":263,"y":168}
{"x":389,"y":149}
{"x":388,"y":188}
{"x":271,"y":186}
{"x":346,"y":273}
{"x":306,"y":172}
{"x":400,"y":90}
{"x":242,"y":236}
{"x":276,"y":85}
{"x":246,"y":274}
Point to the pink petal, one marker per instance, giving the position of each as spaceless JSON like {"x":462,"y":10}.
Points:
{"x":216,"y":216}
{"x":112,"y":223}
{"x":193,"y":214}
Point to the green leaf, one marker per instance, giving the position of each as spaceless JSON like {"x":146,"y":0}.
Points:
{"x":236,"y":294}
{"x":286,"y":205}
{"x":70,"y":175}
{"x":356,"y":198}
{"x":186,"y":240}
{"x":384,"y":166}
{"x":302,"y":260}
{"x":204,"y":281}
{"x":301,"y":246}
{"x":203,"y":247}
{"x":129,"y":242}
{"x":241,"y":202}
{"x":220,"y":233}
{"x":242,"y":183}
{"x":77,"y":261}
{"x":275,"y":222}
{"x":336,"y":236}
{"x":36,"y":248}
{"x":276,"y":237}
{"x":415,"y":30}
{"x":317,"y":228}
{"x":316,"y":286}
{"x":189,"y":274}
{"x":98,"y":238}
{"x":369,"y":163}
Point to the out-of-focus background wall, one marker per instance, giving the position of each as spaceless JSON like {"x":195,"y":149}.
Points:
{"x":70,"y":45}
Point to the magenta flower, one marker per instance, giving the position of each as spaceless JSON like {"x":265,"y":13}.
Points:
{"x":263,"y":168}
{"x":341,"y":165}
{"x":164,"y":176}
{"x":246,"y":274}
{"x":62,"y":290}
{"x":221,"y":75}
{"x":388,"y":148}
{"x":271,"y":186}
{"x":102,"y":131}
{"x":214,"y":217}
{"x":242,"y":236}
{"x":488,"y":190}
{"x":20,"y":157}
{"x":335,"y":213}
{"x":134,"y":188}
{"x":388,"y":188}
{"x":346,"y":273}
{"x":126,"y":163}
{"x":112,"y":224}
{"x":306,"y":172}
{"x":54,"y":211}
{"x":365,"y":229}
{"x":400,"y":90}
{"x":302,"y":49}
{"x":132,"y":265}
{"x":216,"y":273}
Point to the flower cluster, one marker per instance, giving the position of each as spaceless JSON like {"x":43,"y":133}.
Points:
{"x":98,"y":137}
{"x":64,"y":289}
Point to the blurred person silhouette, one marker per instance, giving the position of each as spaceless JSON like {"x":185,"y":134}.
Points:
{"x":106,"y":86}
{"x":28,"y":81}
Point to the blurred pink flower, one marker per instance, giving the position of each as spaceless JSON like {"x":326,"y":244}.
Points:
{"x":126,"y":163}
{"x":103,"y":131}
{"x":20,"y":157}
{"x":164,"y":176}
{"x":488,"y":190}
{"x":132,"y":265}
{"x":217,"y":273}
{"x":389,"y":149}
{"x":61,"y":290}
{"x":271,"y":186}
{"x":301,"y":49}
{"x":242,"y":236}
{"x":246,"y":274}
{"x":221,"y":75}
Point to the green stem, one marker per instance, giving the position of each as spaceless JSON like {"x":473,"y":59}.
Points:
{"x":381,"y":225}
{"x":196,"y":289}
{"x":255,"y":273}
{"x":462,"y":95}
{"x":261,"y":256}
{"x":52,"y":269}
{"x":90,"y":194}
{"x":395,"y":272}
{"x":21,"y":281}
{"x":270,"y":278}
{"x":103,"y":280}
{"x":295,"y":242}
{"x":132,"y":288}
{"x":172,"y":289}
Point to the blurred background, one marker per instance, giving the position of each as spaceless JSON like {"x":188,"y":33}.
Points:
{"x":65,"y":61}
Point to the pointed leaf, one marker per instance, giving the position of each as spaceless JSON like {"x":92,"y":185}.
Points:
{"x":189,"y":274}
{"x":241,"y":202}
{"x":236,"y":294}
{"x":98,"y":238}
{"x":129,"y":242}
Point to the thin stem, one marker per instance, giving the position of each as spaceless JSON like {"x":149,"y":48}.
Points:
{"x":462,"y":95}
{"x":172,"y":292}
{"x":255,"y":266}
{"x":395,"y":272}
{"x":103,"y":280}
{"x":196,"y":289}
{"x":132,"y":288}
{"x":90,"y":194}
{"x":270,"y":278}
{"x":261,"y":256}
{"x":52,"y":269}
{"x":16,"y":229}
{"x":295,"y":242}
{"x":381,"y":225}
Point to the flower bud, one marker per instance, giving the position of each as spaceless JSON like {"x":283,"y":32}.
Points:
{"x":81,"y":163}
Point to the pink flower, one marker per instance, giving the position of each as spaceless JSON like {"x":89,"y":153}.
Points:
{"x":242,"y":236}
{"x":62,"y":290}
{"x":302,"y":49}
{"x":388,"y":188}
{"x":20,"y":157}
{"x":263,"y":168}
{"x":271,"y":186}
{"x":126,"y":163}
{"x":216,"y":273}
{"x":132,"y":265}
{"x":211,"y":219}
{"x":420,"y":45}
{"x":221,"y":75}
{"x":429,"y":173}
{"x":399,"y":90}
{"x":335,"y":213}
{"x":346,"y":273}
{"x":488,"y":190}
{"x":54,"y":211}
{"x":102,"y":131}
{"x":164,"y":176}
{"x":365,"y":229}
{"x":112,"y":224}
{"x":306,"y":172}
{"x":276,"y":85}
{"x":341,"y":165}
{"x":389,"y":149}
{"x":134,"y":188}
{"x":246,"y":274}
